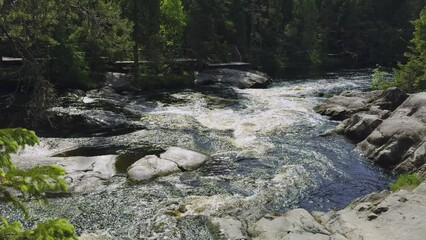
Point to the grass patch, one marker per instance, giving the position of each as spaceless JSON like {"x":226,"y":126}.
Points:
{"x":406,"y":181}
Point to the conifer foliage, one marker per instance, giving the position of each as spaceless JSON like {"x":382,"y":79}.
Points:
{"x":28,"y":184}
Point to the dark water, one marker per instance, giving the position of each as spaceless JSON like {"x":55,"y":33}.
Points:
{"x":270,"y":152}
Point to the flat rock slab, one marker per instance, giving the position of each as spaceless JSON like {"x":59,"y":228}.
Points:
{"x":398,"y":215}
{"x":232,"y":77}
{"x":295,"y":224}
{"x":83,"y":174}
{"x":343,"y":106}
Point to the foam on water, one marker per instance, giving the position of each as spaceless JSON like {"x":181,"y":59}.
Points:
{"x":269,"y":153}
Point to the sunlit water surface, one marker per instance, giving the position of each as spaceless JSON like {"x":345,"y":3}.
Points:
{"x":270,"y":152}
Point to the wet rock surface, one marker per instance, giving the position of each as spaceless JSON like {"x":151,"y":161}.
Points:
{"x":388,"y":131}
{"x":393,"y":136}
{"x":345,"y":105}
{"x":172,"y":161}
{"x":401,"y":138}
{"x":232,"y":77}
{"x":83,"y":174}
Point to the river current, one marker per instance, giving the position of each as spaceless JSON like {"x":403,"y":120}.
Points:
{"x":270,"y":153}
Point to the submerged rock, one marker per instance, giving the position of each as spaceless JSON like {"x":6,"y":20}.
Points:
{"x":345,"y":105}
{"x":232,"y":77}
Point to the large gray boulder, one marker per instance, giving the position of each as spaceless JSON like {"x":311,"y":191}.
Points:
{"x":119,"y":81}
{"x":186,"y":159}
{"x":232,"y":77}
{"x":360,"y":125}
{"x":174,"y":160}
{"x":345,"y":105}
{"x":401,"y":137}
{"x":151,"y":167}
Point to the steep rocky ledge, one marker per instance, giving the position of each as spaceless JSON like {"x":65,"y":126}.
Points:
{"x":389,"y":126}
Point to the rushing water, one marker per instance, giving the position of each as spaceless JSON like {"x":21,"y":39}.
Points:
{"x":270,"y":152}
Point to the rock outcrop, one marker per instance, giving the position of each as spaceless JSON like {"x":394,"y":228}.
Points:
{"x":400,"y":139}
{"x":295,"y":224}
{"x":173,"y":160}
{"x":377,"y":216}
{"x":83,"y":174}
{"x":389,"y":128}
{"x":347,"y":104}
{"x":232,"y":77}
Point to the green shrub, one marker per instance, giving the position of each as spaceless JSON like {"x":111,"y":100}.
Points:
{"x":411,"y":76}
{"x":381,"y":80}
{"x":17,"y":186}
{"x":406,"y":181}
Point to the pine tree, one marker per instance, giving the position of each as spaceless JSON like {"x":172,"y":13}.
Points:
{"x":411,"y":76}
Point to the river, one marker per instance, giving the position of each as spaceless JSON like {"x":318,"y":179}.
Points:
{"x":270,"y":153}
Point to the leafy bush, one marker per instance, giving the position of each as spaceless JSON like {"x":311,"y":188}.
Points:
{"x":411,"y":76}
{"x":381,"y":80}
{"x":406,"y":181}
{"x":29,"y":183}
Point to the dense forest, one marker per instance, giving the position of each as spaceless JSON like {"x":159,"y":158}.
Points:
{"x":271,"y":34}
{"x":69,"y":43}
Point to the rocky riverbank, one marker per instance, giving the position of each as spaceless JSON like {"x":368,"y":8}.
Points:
{"x":214,"y":162}
{"x":389,"y":127}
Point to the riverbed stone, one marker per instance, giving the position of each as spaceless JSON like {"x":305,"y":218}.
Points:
{"x":359,"y":126}
{"x":231,"y":228}
{"x":416,"y":161}
{"x":232,"y":77}
{"x":119,"y":81}
{"x":151,"y":167}
{"x":77,"y":121}
{"x":399,"y":137}
{"x":186,"y":159}
{"x":345,"y":105}
{"x":83,"y":174}
{"x":295,"y":224}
